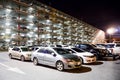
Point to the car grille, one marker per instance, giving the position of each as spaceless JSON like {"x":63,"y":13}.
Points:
{"x":77,"y":65}
{"x":91,"y":56}
{"x":103,"y":51}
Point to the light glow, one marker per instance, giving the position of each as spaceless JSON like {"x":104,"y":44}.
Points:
{"x":7,"y":24}
{"x":30,"y":9}
{"x":31,"y":16}
{"x":8,"y":10}
{"x":31,"y":24}
{"x":7,"y":40}
{"x":3,"y":34}
{"x":48,"y":21}
{"x":111,"y":30}
{"x":8,"y":31}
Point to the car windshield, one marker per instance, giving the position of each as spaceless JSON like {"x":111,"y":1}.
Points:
{"x":71,"y":51}
{"x":110,"y":45}
{"x":24,"y":49}
{"x":78,"y":50}
{"x":101,"y":45}
{"x":61,"y":51}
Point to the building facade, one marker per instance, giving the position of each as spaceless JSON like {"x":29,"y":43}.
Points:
{"x":29,"y":22}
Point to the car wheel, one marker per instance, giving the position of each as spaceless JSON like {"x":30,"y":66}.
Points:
{"x":10,"y":56}
{"x":114,"y":57}
{"x":22,"y":58}
{"x":97,"y":56}
{"x":81,"y":59}
{"x":119,"y":57}
{"x":60,"y":66}
{"x":35,"y":61}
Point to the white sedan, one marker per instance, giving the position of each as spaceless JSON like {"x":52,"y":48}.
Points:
{"x":21,"y":53}
{"x":86,"y":57}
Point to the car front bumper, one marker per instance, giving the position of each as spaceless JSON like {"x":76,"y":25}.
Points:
{"x":90,"y":60}
{"x":72,"y":65}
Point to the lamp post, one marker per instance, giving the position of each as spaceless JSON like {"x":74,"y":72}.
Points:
{"x":110,"y":31}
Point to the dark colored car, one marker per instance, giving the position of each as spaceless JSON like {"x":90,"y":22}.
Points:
{"x":99,"y":52}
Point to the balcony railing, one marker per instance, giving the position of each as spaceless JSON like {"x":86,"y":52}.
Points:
{"x":22,"y":12}
{"x":21,"y":30}
{"x":21,"y":21}
{"x":21,"y":3}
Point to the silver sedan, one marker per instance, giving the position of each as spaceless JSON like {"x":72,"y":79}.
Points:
{"x":56,"y":57}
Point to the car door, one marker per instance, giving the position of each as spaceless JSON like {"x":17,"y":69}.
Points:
{"x":40,"y":55}
{"x":49,"y":58}
{"x":15,"y":52}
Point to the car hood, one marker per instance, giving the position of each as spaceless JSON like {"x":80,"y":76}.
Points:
{"x":71,"y":56}
{"x":84,"y":53}
{"x":27,"y":52}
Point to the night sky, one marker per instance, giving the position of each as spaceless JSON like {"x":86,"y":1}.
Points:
{"x":99,"y":13}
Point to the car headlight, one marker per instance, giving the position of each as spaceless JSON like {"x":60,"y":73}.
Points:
{"x":28,"y":54}
{"x":93,"y":51}
{"x":86,"y":56}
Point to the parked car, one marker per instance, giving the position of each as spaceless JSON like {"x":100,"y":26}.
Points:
{"x":56,"y":45}
{"x":100,"y":46}
{"x":99,"y":52}
{"x":33,"y":48}
{"x":114,"y":49}
{"x":86,"y":57}
{"x":56,"y":57}
{"x":21,"y":53}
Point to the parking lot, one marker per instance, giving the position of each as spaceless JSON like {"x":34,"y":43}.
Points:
{"x":12,"y":69}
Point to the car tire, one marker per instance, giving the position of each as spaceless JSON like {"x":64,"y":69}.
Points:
{"x":22,"y":58}
{"x":60,"y":66}
{"x":35,"y":61}
{"x":82,"y":60}
{"x":119,"y":57}
{"x":10,"y":56}
{"x":97,"y":56}
{"x":114,"y":57}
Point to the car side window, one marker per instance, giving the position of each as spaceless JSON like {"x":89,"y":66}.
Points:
{"x":83,"y":46}
{"x":36,"y":48}
{"x":45,"y":51}
{"x":117,"y":45}
{"x":13,"y":49}
{"x":48,"y":51}
{"x":41,"y":51}
{"x":16,"y":49}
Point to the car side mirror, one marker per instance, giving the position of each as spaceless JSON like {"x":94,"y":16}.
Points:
{"x":54,"y":54}
{"x":19,"y":50}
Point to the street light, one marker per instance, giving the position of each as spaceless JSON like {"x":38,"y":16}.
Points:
{"x":110,"y":31}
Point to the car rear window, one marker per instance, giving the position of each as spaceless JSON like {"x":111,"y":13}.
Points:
{"x":71,"y":51}
{"x":61,"y":51}
{"x":78,"y":50}
{"x":24,"y":49}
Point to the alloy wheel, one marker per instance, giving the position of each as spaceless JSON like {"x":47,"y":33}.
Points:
{"x":22,"y":58}
{"x":35,"y":61}
{"x":10,"y":56}
{"x":60,"y":66}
